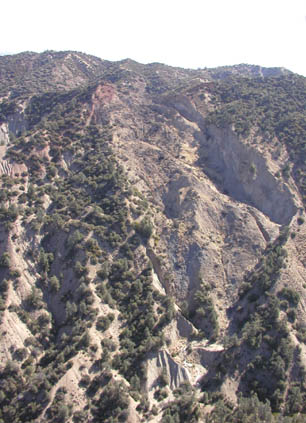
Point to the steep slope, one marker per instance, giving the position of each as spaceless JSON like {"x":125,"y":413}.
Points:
{"x":152,"y":233}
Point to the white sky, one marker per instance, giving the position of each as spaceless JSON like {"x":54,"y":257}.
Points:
{"x":189,"y":33}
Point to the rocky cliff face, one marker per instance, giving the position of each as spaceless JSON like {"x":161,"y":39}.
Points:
{"x":146,"y":246}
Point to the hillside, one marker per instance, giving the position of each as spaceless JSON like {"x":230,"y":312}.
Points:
{"x":153,"y":242}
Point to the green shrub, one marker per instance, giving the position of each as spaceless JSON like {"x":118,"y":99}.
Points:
{"x":144,"y":228}
{"x":104,"y":322}
{"x":5,"y":260}
{"x":75,"y":239}
{"x":292,"y":296}
{"x":34,"y":299}
{"x":54,"y":284}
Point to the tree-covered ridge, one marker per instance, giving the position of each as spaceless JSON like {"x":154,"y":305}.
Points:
{"x":272,"y":366}
{"x":90,"y":227}
{"x":27,"y":73}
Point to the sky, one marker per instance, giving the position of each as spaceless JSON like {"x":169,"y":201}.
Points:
{"x":189,"y":34}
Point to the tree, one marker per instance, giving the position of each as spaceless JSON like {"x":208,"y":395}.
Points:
{"x":54,"y":284}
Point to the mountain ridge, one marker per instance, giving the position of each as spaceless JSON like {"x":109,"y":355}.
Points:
{"x":152,"y":255}
{"x":93,"y":67}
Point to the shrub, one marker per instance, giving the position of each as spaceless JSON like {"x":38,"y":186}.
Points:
{"x":34,"y":299}
{"x":54,"y":284}
{"x":74,"y":239}
{"x":112,"y":404}
{"x":290,"y":295}
{"x":104,"y":322}
{"x":5,"y":260}
{"x":85,"y":381}
{"x":144,"y":228}
{"x":20,"y":354}
{"x":291,"y":315}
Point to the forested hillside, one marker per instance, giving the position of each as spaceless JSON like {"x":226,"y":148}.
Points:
{"x":152,"y":242}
